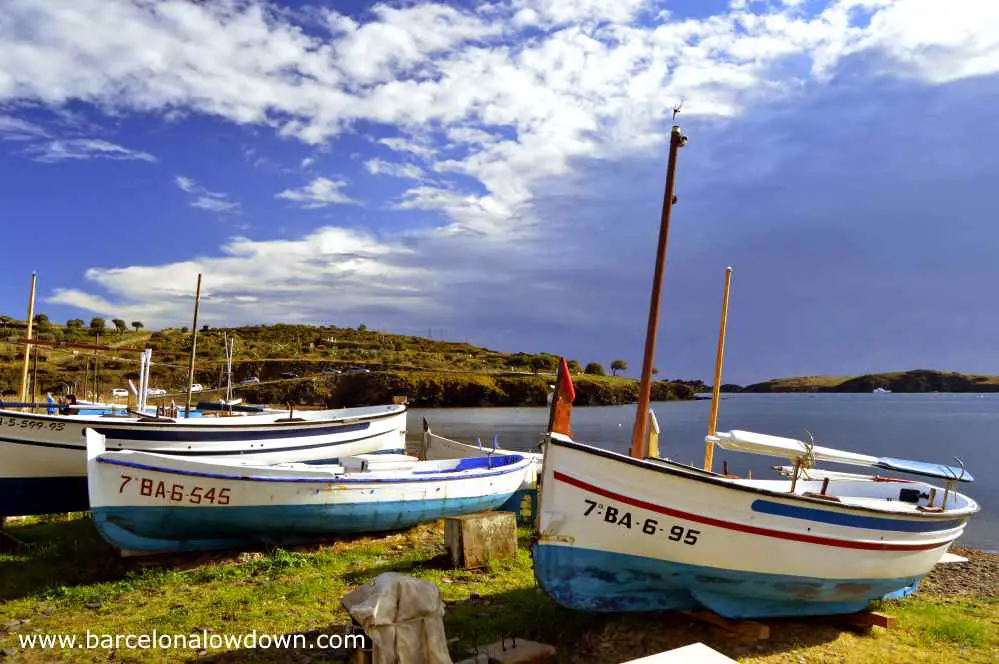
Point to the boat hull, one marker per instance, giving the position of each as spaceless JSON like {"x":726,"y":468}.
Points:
{"x":145,"y":503}
{"x":617,"y":534}
{"x":43,"y":458}
{"x":523,"y":503}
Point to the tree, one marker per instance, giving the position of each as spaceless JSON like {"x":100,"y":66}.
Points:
{"x":618,"y":365}
{"x":595,"y":369}
{"x":119,"y":325}
{"x":74,"y":324}
{"x":655,"y":371}
{"x":573,"y":366}
{"x":362,"y":328}
{"x":42,"y":321}
{"x":137,"y":324}
{"x":541,"y":363}
{"x":97,"y":325}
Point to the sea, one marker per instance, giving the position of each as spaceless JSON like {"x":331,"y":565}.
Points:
{"x":935,"y":427}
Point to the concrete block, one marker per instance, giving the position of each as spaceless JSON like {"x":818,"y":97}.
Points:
{"x":519,"y":651}
{"x":473,"y":539}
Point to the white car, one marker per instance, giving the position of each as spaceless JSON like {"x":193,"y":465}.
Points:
{"x":196,"y":387}
{"x":119,"y":392}
{"x":155,"y":391}
{"x":252,"y":380}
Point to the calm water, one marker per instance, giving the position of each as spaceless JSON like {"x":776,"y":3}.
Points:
{"x":928,"y":427}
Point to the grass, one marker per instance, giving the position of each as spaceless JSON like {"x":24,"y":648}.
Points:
{"x":68,"y":581}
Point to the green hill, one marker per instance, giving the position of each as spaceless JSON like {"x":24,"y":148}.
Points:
{"x":304,"y":364}
{"x":916,"y":380}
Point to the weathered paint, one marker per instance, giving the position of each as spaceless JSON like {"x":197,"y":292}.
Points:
{"x":590,"y":580}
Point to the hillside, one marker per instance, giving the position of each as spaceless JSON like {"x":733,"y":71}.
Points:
{"x":304,"y":364}
{"x":916,"y":380}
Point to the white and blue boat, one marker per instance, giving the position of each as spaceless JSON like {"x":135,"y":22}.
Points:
{"x":623,"y":534}
{"x":43,"y":457}
{"x":523,"y":503}
{"x":145,"y":503}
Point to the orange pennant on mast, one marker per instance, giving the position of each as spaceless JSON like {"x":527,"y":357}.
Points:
{"x":565,"y":394}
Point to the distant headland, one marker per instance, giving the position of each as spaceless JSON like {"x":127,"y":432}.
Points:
{"x":916,"y":380}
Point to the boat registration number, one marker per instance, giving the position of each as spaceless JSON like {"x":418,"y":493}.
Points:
{"x":34,"y":424}
{"x":622,"y":517}
{"x":177,"y":493}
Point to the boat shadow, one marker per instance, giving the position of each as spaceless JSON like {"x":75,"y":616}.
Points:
{"x":526,"y":613}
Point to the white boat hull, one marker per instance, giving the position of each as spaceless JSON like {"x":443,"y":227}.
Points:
{"x":150,"y":503}
{"x":43,"y":457}
{"x":619,"y":534}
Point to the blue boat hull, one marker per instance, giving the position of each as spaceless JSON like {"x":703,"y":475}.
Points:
{"x":590,"y":580}
{"x":523,"y":503}
{"x":176,"y":529}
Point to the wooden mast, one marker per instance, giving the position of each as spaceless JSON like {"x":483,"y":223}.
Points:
{"x":23,"y":393}
{"x":709,"y":447}
{"x":639,"y":440}
{"x":194,"y":347}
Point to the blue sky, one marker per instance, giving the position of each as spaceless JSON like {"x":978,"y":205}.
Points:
{"x":495,"y":171}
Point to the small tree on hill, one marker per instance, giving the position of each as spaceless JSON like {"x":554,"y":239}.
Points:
{"x":137,"y":324}
{"x":74,"y":324}
{"x":42,"y":322}
{"x":573,"y":366}
{"x":595,"y":369}
{"x":119,"y":325}
{"x":655,"y":371}
{"x":97,"y":325}
{"x":618,"y":365}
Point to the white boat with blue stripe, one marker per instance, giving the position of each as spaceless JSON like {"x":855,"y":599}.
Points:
{"x":618,"y":533}
{"x":43,"y":457}
{"x":145,"y":503}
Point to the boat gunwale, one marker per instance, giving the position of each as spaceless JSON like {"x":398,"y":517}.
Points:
{"x":397,"y":409}
{"x":474,"y":473}
{"x":696,"y":474}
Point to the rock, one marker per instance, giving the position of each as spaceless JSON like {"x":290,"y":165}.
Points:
{"x":519,"y":651}
{"x":93,"y":605}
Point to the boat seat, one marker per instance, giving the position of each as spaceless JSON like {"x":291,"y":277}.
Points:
{"x":372,"y":462}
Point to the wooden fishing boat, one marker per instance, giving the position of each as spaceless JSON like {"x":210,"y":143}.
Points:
{"x":623,"y":534}
{"x":43,"y":457}
{"x":151,"y":503}
{"x":523,"y":502}
{"x":634,"y":533}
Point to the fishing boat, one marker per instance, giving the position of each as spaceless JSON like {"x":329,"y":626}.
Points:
{"x":43,"y":457}
{"x":881,"y":390}
{"x":144,"y":503}
{"x":523,"y":502}
{"x":623,"y":534}
{"x":636,"y":532}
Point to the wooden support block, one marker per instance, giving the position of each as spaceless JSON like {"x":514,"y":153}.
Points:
{"x":747,"y":629}
{"x":870,"y":619}
{"x":519,"y":651}
{"x":472,"y":540}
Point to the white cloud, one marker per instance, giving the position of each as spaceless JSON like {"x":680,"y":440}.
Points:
{"x":16,"y":129}
{"x":380,"y":167}
{"x":321,"y":192}
{"x":508,"y":94}
{"x":308,"y":161}
{"x":290,"y":280}
{"x":205,"y":199}
{"x":84,"y":148}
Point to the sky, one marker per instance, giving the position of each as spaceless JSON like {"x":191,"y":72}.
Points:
{"x":493,"y":172}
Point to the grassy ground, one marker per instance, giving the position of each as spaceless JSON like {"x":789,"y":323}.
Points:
{"x":68,"y":581}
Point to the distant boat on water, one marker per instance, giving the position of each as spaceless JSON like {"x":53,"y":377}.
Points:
{"x":880,"y":390}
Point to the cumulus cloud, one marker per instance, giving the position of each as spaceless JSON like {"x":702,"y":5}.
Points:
{"x":319,"y":193}
{"x":205,"y":199}
{"x":494,"y":100}
{"x":291,"y":280}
